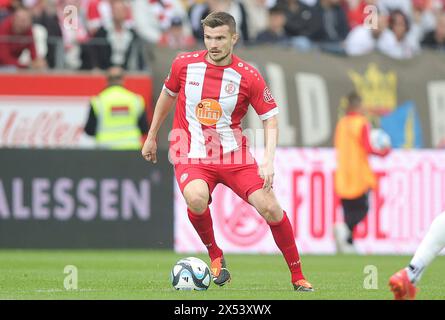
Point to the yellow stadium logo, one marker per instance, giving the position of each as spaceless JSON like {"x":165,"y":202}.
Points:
{"x":377,"y":89}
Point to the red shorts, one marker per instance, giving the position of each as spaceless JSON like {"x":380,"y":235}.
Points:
{"x":242,"y":178}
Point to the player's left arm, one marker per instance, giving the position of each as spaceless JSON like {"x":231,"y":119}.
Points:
{"x":270,"y":126}
{"x":264,"y":104}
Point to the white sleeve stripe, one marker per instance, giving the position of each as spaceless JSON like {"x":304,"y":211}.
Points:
{"x":173,"y":94}
{"x":269,"y":114}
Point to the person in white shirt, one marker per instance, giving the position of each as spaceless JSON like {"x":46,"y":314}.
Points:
{"x":387,"y":6}
{"x":363,"y":38}
{"x":401,"y":40}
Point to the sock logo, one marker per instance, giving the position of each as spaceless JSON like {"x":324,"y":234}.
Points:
{"x":295,"y":263}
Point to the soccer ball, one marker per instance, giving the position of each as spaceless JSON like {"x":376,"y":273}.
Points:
{"x":190,"y":274}
{"x":380,"y":139}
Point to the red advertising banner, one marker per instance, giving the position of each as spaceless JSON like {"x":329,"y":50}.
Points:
{"x":47,"y":111}
{"x":410,"y":193}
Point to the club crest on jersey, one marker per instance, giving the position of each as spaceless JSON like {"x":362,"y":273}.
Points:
{"x":267,"y":95}
{"x":230,"y":88}
{"x":208,"y":112}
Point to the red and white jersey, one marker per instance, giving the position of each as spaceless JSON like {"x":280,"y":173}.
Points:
{"x":211,"y":102}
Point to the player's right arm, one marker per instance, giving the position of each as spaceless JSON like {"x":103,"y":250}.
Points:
{"x":163,"y":106}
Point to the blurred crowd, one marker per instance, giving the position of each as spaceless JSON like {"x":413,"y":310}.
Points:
{"x":97,"y":34}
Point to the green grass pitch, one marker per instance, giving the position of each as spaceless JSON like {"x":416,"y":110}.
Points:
{"x":144,"y":274}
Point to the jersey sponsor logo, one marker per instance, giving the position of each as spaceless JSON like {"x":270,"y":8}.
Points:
{"x":267,"y":95}
{"x":230,"y":88}
{"x":208,"y":112}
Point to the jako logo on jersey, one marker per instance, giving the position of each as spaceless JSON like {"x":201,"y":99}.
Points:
{"x":194,"y":83}
{"x":267,"y":95}
{"x":208,"y":112}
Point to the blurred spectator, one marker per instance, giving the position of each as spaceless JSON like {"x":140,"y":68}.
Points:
{"x":5,"y":8}
{"x":258,"y":13}
{"x":117,"y":45}
{"x":334,"y":28}
{"x":301,"y":19}
{"x":275,"y":33}
{"x":175,"y":37}
{"x":363,"y":39}
{"x":152,"y":17}
{"x":16,"y":36}
{"x":401,"y":40}
{"x":166,"y":11}
{"x":356,"y":11}
{"x":99,"y":14}
{"x":45,"y":14}
{"x":387,"y":6}
{"x":146,"y":22}
{"x":309,"y":3}
{"x":430,"y":11}
{"x":117,"y":116}
{"x":8,"y":6}
{"x":234,"y":7}
{"x":74,"y":33}
{"x":436,"y":39}
{"x":334,"y":21}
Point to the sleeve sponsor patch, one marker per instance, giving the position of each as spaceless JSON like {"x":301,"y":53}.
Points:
{"x":267,"y":95}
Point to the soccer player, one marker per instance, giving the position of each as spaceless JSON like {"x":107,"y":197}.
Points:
{"x":403,"y":283}
{"x":354,"y":177}
{"x":213,"y":89}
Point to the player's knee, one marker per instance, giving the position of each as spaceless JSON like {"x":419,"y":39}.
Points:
{"x":272,"y":212}
{"x":198,"y":202}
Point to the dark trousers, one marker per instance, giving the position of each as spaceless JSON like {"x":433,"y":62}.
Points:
{"x":354,"y":211}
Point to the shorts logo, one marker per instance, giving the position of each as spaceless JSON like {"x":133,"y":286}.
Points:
{"x":230,"y":88}
{"x":267,"y":95}
{"x":208,"y":112}
{"x":184,"y":177}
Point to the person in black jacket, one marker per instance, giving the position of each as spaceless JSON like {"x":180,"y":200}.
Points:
{"x":301,"y":20}
{"x":435,"y":39}
{"x":116,"y":45}
{"x":334,"y":25}
{"x":275,"y":32}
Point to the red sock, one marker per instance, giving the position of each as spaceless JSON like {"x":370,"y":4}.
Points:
{"x":284,"y":238}
{"x":203,"y":226}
